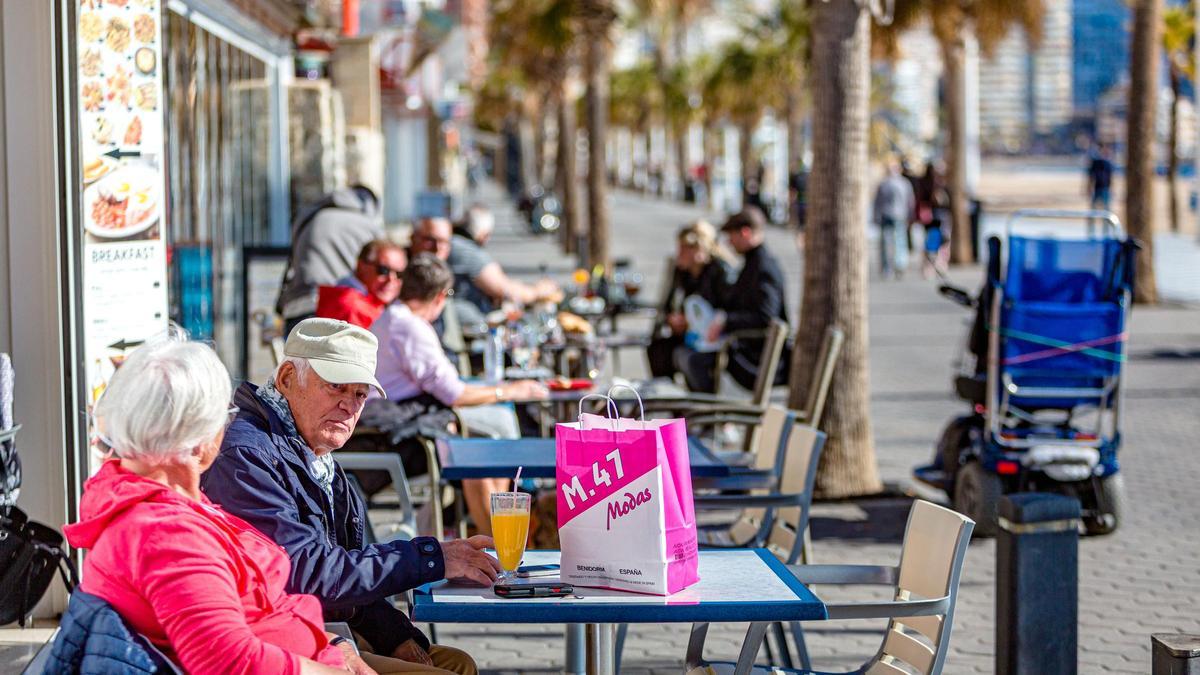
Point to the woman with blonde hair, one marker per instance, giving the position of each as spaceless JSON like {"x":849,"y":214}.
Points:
{"x":701,"y":269}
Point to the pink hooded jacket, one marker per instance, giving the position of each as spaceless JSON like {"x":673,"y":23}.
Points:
{"x":203,"y":585}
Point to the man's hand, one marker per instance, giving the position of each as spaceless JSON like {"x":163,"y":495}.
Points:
{"x":677,"y":322}
{"x":714,"y":330}
{"x":466,"y":561}
{"x":525,"y":390}
{"x":411,"y":651}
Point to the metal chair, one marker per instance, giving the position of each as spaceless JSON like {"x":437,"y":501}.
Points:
{"x":406,"y":528}
{"x":920,"y":616}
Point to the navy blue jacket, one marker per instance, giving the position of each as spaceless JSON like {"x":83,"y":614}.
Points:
{"x":93,"y":638}
{"x":262,"y":476}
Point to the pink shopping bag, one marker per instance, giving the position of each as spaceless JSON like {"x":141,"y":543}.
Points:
{"x":626,"y":520}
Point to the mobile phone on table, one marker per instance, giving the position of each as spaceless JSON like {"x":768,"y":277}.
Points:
{"x":540,"y":589}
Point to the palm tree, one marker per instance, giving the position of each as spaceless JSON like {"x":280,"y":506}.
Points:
{"x":533,"y":47}
{"x":952,"y":21}
{"x":597,"y":17}
{"x":835,"y":267}
{"x":634,"y":98}
{"x":1178,"y":30}
{"x":1139,"y":160}
{"x":743,"y":84}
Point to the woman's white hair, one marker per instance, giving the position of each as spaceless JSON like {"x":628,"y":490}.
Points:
{"x":170,"y":396}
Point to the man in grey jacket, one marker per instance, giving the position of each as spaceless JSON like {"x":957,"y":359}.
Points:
{"x":326,"y":240}
{"x":893,"y":210}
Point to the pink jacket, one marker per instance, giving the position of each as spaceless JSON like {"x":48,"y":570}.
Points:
{"x":203,"y":585}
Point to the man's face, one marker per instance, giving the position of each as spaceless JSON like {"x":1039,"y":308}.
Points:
{"x":432,"y":236}
{"x":382,"y":277}
{"x":325,"y":413}
{"x":741,"y":239}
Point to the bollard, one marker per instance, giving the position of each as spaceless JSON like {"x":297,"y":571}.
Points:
{"x":1037,"y":584}
{"x":1175,"y":654}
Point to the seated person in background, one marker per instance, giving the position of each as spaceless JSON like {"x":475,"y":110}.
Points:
{"x":360,"y":298}
{"x":325,"y":240}
{"x":750,"y":304}
{"x":701,"y":270}
{"x":200,"y":583}
{"x":480,"y":284}
{"x":277,"y":471}
{"x":420,"y":381}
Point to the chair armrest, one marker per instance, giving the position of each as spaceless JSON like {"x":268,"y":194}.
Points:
{"x":888,"y":609}
{"x":846,"y":574}
{"x":725,"y":408}
{"x":748,"y":501}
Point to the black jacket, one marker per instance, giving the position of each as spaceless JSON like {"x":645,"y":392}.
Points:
{"x":752,"y":302}
{"x":261,"y":475}
{"x":712,"y":285}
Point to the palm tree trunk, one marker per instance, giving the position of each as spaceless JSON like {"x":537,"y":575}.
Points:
{"x":746,"y":154}
{"x":954,"y":62}
{"x":708,"y":144}
{"x":795,"y":141}
{"x":835,"y":266}
{"x":679,"y":139}
{"x":1173,"y":149}
{"x":568,"y":182}
{"x":1139,"y":164}
{"x":596,"y":68}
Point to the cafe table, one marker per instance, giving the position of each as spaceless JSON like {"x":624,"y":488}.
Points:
{"x":736,"y":585}
{"x":461,"y":458}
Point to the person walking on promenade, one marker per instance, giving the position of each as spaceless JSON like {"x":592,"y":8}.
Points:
{"x":893,"y":208}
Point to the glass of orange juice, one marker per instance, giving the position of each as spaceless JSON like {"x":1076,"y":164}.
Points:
{"x":510,"y":529}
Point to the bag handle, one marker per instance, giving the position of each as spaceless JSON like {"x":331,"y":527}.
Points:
{"x":611,"y":407}
{"x":641,"y":408}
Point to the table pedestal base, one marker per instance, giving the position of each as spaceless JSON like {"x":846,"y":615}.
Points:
{"x":601,"y":657}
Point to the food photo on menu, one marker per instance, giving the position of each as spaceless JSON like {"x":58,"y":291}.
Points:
{"x":121,"y":118}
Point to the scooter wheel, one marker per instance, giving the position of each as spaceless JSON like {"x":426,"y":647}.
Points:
{"x":977,"y":493}
{"x":1110,"y":504}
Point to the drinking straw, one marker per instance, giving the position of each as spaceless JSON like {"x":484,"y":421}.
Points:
{"x":517,"y":479}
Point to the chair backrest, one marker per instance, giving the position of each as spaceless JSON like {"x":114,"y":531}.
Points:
{"x":935,"y":545}
{"x":799,"y":474}
{"x":770,"y":454}
{"x":768,"y":363}
{"x":818,"y":387}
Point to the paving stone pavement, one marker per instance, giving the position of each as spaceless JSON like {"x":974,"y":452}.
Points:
{"x":1142,"y":579}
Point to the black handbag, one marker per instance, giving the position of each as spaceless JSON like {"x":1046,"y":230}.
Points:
{"x":30,"y":554}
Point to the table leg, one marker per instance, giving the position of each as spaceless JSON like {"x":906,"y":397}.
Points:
{"x":576,"y":658}
{"x":601,"y":657}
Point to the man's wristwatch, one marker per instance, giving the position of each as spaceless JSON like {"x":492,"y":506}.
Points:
{"x":499,"y":394}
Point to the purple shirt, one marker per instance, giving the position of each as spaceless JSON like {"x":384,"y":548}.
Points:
{"x":411,"y":360}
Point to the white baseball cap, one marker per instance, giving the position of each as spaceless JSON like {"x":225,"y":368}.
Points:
{"x":339,"y":352}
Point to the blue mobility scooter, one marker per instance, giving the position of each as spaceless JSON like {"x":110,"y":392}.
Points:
{"x":1045,"y":380}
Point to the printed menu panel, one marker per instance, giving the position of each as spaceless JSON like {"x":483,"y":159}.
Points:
{"x":120,"y":116}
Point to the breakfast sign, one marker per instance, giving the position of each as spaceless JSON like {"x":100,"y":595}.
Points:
{"x":120,"y":113}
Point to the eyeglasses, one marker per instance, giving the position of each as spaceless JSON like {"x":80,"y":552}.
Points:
{"x":385,"y":271}
{"x":232,"y":415}
{"x":432,"y":240}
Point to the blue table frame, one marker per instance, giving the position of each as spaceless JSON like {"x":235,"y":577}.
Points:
{"x":789,"y":600}
{"x":461,"y":458}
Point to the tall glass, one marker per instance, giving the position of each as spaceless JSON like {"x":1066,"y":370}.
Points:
{"x":510,"y":529}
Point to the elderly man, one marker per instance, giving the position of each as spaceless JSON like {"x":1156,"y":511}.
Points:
{"x":276,"y":470}
{"x":360,"y":298}
{"x":480,"y":284}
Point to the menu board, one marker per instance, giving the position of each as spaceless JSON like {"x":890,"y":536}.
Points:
{"x":120,"y":117}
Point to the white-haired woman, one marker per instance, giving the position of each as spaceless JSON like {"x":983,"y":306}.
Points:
{"x":202,"y":585}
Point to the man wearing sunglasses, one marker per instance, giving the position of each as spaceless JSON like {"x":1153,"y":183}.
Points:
{"x":360,"y":299}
